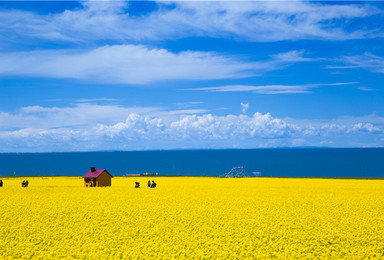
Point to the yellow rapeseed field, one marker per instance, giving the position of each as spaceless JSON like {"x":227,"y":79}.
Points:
{"x":188,"y":217}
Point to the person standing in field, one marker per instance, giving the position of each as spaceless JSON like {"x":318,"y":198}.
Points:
{"x":149,"y":184}
{"x":1,"y":183}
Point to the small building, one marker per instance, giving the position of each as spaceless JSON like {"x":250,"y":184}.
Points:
{"x":97,"y":178}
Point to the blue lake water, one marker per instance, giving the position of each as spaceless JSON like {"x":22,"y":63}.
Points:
{"x":305,"y":162}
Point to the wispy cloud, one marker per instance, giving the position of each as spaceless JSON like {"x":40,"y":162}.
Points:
{"x":367,"y":61}
{"x":365,"y":88}
{"x":189,"y":104}
{"x":137,"y":64}
{"x":87,"y":100}
{"x":270,"y":89}
{"x":258,"y":21}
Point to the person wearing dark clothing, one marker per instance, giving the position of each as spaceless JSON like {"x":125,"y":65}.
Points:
{"x":137,"y":184}
{"x":23,"y":184}
{"x":26,"y":183}
{"x":149,"y":184}
{"x":153,"y":184}
{"x":1,"y":183}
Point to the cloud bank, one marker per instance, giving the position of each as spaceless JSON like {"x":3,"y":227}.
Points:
{"x":159,"y":128}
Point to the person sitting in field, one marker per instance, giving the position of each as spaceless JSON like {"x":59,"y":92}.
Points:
{"x":1,"y":183}
{"x":26,"y":183}
{"x":137,"y":184}
{"x":153,"y":184}
{"x":149,"y":184}
{"x":23,"y":183}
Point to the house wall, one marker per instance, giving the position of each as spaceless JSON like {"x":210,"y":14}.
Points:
{"x":103,"y":180}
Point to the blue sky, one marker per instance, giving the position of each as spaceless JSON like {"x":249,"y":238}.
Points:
{"x":99,"y":75}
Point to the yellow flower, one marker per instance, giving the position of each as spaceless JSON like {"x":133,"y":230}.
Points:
{"x":192,"y":218}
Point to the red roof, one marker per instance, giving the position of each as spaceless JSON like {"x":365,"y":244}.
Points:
{"x":96,"y":173}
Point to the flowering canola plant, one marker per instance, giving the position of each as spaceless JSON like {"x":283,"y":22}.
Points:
{"x":192,"y":217}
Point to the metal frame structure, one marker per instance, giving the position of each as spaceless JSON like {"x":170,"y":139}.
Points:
{"x":236,"y":172}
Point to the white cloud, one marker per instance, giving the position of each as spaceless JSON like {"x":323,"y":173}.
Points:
{"x":112,"y":127}
{"x":365,"y":128}
{"x":366,"y":61}
{"x":365,"y":88}
{"x":244,"y":107}
{"x":270,"y":89}
{"x":188,"y":104}
{"x":263,"y":21}
{"x":82,"y":115}
{"x":78,"y":116}
{"x":87,"y":100}
{"x":292,"y":56}
{"x":134,"y":64}
{"x":258,"y":21}
{"x":133,"y":127}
